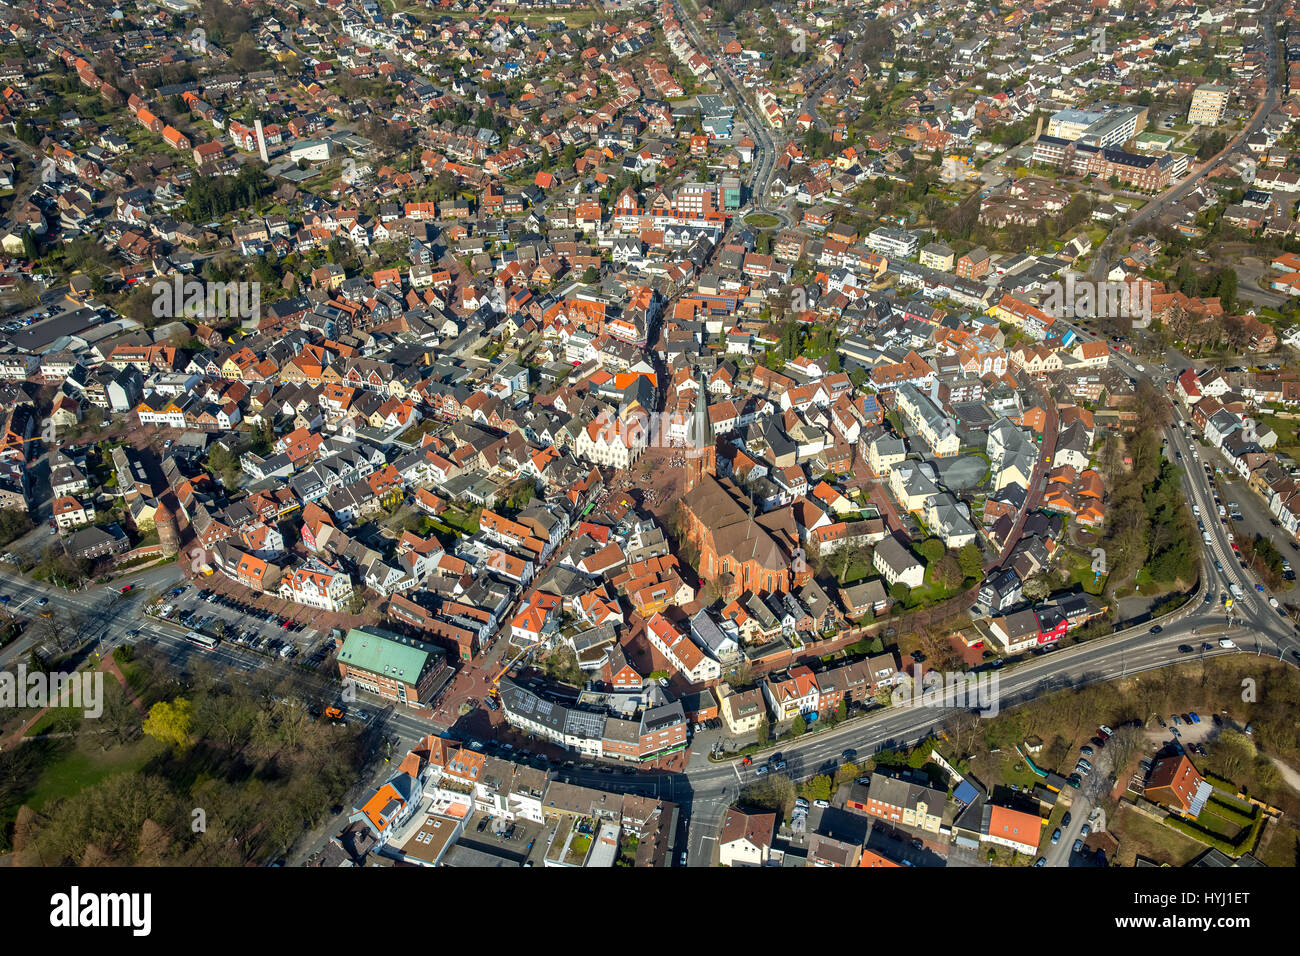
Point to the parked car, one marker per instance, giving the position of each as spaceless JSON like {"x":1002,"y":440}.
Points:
{"x":1056,"y":836}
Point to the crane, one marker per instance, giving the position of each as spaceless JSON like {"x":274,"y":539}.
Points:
{"x":494,"y":684}
{"x":13,"y":442}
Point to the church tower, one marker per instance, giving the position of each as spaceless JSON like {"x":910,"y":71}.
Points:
{"x":701,"y":444}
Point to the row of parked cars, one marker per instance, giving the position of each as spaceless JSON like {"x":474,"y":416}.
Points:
{"x":16,"y":324}
{"x":261,"y":614}
{"x":264,"y":644}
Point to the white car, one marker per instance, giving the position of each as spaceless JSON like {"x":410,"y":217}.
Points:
{"x":823,"y":804}
{"x":1226,"y":642}
{"x":1272,"y":602}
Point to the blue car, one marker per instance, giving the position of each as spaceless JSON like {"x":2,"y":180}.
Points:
{"x":1056,"y":837}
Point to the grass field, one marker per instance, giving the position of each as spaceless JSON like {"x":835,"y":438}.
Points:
{"x":454,"y":517}
{"x":85,"y":764}
{"x":1280,"y":845}
{"x":1140,"y":836}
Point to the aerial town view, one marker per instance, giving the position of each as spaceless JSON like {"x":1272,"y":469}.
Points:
{"x":650,"y":433}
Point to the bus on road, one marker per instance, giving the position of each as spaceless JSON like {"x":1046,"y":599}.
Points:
{"x":202,"y":640}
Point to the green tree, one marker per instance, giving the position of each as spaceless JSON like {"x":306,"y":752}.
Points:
{"x":224,"y":464}
{"x":972,"y":562}
{"x":799,"y":727}
{"x":932,"y":550}
{"x":818,"y":788}
{"x":1225,"y":287}
{"x":170,"y":723}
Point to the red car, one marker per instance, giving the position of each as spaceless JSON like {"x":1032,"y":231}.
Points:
{"x":125,"y":588}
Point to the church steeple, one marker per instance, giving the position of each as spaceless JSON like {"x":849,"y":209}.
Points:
{"x":701,"y":453}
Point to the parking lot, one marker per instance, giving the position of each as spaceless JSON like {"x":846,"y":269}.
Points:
{"x":235,"y":621}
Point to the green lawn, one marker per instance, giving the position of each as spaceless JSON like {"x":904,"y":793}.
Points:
{"x":1220,"y":826}
{"x":930,"y":593}
{"x":857,"y":571}
{"x":1141,"y":836}
{"x":85,"y":765}
{"x":57,"y":720}
{"x":1081,"y":573}
{"x":466,"y":522}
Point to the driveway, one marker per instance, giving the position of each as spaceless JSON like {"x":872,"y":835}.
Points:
{"x":1062,"y":854}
